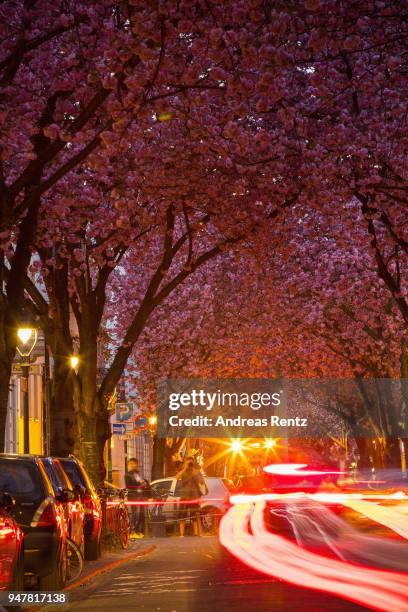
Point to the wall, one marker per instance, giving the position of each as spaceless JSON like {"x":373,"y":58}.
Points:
{"x":15,"y":422}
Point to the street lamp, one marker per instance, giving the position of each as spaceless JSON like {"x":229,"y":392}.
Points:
{"x":236,"y":446}
{"x":28,"y":340}
{"x":74,"y":361}
{"x":270,"y":443}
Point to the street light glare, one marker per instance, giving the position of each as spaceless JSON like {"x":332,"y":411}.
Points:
{"x":270,"y":443}
{"x":24,"y":334}
{"x":236,"y":446}
{"x":152,"y":420}
{"x":74,"y":360}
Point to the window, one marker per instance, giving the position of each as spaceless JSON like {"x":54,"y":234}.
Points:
{"x":21,"y":479}
{"x":163,"y":487}
{"x":74,"y":473}
{"x":57,"y":483}
{"x":63,"y":478}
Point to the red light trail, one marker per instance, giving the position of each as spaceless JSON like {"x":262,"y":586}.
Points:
{"x":243,"y":532}
{"x":295,"y":469}
{"x":166,"y":502}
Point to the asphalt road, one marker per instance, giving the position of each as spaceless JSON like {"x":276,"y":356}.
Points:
{"x":195,"y":575}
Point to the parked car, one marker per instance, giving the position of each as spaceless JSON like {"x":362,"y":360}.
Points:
{"x":39,"y":515}
{"x":11,"y":548}
{"x":213,"y":505}
{"x":82,"y":484}
{"x":70,"y":500}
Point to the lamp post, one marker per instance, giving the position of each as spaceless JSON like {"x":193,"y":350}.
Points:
{"x":28,"y":340}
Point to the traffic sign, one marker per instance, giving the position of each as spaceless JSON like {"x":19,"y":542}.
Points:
{"x":127,"y":436}
{"x":119,"y":428}
{"x":124,"y":411}
{"x":141,"y":422}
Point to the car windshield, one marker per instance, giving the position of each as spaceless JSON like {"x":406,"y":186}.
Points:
{"x":21,"y":479}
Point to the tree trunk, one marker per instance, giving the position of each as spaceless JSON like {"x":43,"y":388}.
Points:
{"x":5,"y":373}
{"x":93,"y":434}
{"x":91,"y":417}
{"x":365,"y":452}
{"x":103,"y":436}
{"x":158,"y":457}
{"x":392,"y":455}
{"x":404,"y":371}
{"x":7,"y":351}
{"x":86,"y":445}
{"x":62,"y":413}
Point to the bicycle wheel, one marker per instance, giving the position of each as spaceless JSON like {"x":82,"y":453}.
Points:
{"x":124,"y":529}
{"x":75,"y":561}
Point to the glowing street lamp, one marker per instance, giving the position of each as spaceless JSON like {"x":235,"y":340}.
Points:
{"x":236,"y":446}
{"x":152,"y":420}
{"x":28,"y":340}
{"x":24,"y":333}
{"x":270,"y":443}
{"x":74,"y":361}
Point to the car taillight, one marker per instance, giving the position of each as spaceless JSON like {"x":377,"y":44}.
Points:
{"x":46,"y":514}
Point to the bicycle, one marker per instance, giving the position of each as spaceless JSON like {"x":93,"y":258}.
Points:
{"x":75,"y":561}
{"x":123,"y":528}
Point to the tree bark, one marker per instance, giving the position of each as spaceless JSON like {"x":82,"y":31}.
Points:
{"x":404,"y":370}
{"x":11,"y":306}
{"x":365,"y":452}
{"x":5,"y":373}
{"x":62,"y":413}
{"x":159,"y":445}
{"x":90,"y":443}
{"x":392,"y":454}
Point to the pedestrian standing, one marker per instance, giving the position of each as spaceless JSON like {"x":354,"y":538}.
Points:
{"x":192,"y":488}
{"x":137,"y":488}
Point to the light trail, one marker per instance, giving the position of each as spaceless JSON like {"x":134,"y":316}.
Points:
{"x":168,"y":502}
{"x":329,"y":498}
{"x":295,"y":469}
{"x":277,"y":556}
{"x":389,"y":517}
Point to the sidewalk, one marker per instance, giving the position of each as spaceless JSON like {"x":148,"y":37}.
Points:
{"x":93,"y":569}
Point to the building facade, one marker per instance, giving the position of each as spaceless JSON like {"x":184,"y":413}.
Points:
{"x":37,"y":403}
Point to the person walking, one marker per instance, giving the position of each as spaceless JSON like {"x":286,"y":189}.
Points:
{"x":137,"y":487}
{"x":192,"y":488}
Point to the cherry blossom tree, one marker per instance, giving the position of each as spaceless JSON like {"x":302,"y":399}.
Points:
{"x":140,"y":142}
{"x":312,"y":308}
{"x":77,"y":80}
